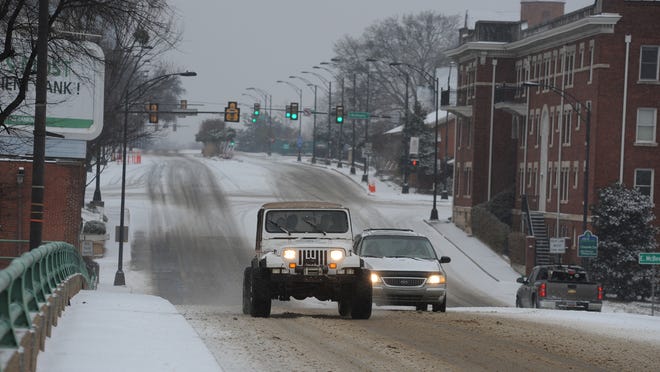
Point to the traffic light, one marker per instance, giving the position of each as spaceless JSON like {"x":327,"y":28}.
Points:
{"x":232,"y":112}
{"x":254,"y":118}
{"x":153,"y":113}
{"x":339,"y":111}
{"x":257,"y":109}
{"x":288,"y":112}
{"x":414,"y":163}
{"x":294,"y":110}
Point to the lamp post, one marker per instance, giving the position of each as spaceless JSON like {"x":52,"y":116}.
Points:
{"x":270,"y":114}
{"x":328,"y":85}
{"x":405,"y":141}
{"x":432,"y":80}
{"x":299,"y":91}
{"x":365,"y":175}
{"x":353,"y":105}
{"x":341,"y":125}
{"x":587,"y":140}
{"x":310,"y":84}
{"x":119,"y":275}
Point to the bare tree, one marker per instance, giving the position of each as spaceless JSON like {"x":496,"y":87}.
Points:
{"x":415,"y":39}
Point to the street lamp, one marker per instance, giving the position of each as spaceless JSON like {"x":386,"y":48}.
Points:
{"x":299,"y":91}
{"x":270,"y":113}
{"x":564,"y":94}
{"x":433,"y":80}
{"x":119,"y":275}
{"x":405,"y":141}
{"x":365,"y":175}
{"x":328,"y":84}
{"x":341,"y":125}
{"x":310,"y":84}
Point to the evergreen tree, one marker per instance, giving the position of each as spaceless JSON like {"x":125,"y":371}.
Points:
{"x":623,"y":222}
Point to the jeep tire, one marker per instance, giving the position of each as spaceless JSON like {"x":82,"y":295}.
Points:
{"x":260,"y":300}
{"x":361,"y":299}
{"x":440,"y":306}
{"x":247,"y":291}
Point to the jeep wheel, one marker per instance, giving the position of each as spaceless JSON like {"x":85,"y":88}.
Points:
{"x":440,"y":306}
{"x":344,"y":307}
{"x":260,"y":299}
{"x":247,"y":291}
{"x":361,"y":300}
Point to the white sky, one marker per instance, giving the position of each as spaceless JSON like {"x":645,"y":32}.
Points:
{"x":233,"y":45}
{"x":100,"y":330}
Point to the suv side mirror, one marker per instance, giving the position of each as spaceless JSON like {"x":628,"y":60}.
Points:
{"x":522,"y":280}
{"x":444,"y":259}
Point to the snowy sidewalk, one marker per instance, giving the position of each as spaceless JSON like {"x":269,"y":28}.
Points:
{"x":120,"y":331}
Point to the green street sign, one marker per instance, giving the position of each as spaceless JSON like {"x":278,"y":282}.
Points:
{"x":652,"y":258}
{"x":358,"y":115}
{"x":587,"y":245}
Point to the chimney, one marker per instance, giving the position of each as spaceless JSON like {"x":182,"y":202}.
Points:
{"x":536,"y":12}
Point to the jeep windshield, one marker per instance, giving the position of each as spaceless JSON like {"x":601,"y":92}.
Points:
{"x":307,"y":221}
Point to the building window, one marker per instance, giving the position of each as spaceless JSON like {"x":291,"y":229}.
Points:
{"x":646,"y":124}
{"x":576,"y":174}
{"x":549,"y":177}
{"x":566,"y":127}
{"x":648,"y":64}
{"x":644,"y":181}
{"x":536,"y":178}
{"x":468,"y":180}
{"x":581,"y":55}
{"x":529,"y":172}
{"x":551,"y":133}
{"x":468,"y":132}
{"x":546,"y":77}
{"x":554,"y":172}
{"x":521,"y":178}
{"x":569,"y":59}
{"x":563,"y":181}
{"x":591,"y":61}
{"x":538,"y":129}
{"x":458,"y":179}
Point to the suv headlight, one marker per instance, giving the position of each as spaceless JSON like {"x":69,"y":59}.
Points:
{"x":375,"y":278}
{"x":289,"y":254}
{"x":337,"y":254}
{"x":437,"y":279}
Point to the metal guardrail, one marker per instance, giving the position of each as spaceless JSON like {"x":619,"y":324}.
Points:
{"x":28,"y":282}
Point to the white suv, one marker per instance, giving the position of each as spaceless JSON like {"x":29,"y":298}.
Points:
{"x":405,"y":269}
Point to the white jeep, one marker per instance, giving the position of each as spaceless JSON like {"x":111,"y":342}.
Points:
{"x":304,"y":249}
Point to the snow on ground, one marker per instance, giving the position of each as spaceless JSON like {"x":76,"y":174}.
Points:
{"x":627,"y":321}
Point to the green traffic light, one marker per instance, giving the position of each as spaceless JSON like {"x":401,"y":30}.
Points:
{"x":254,"y":120}
{"x":288,"y":115}
{"x":340,"y":120}
{"x":256,"y":112}
{"x":294,"y":116}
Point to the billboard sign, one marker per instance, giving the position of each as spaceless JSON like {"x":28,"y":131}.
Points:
{"x":75,"y":92}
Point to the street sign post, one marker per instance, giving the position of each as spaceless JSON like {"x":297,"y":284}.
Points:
{"x":588,"y":245}
{"x":557,"y":245}
{"x":358,"y":115}
{"x":651,"y":258}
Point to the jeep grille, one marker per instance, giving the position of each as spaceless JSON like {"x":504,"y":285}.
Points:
{"x":312,"y":257}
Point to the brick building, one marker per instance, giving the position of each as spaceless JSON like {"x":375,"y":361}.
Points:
{"x":598,"y":65}
{"x":64,"y":183}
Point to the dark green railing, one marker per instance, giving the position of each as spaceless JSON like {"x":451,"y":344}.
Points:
{"x":29,"y":280}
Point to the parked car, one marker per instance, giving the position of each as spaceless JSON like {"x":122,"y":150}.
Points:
{"x":405,"y":269}
{"x":559,"y":287}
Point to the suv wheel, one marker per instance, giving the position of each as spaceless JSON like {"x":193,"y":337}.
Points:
{"x":361,"y":300}
{"x":260,"y":293}
{"x":421,"y":307}
{"x":440,"y":306}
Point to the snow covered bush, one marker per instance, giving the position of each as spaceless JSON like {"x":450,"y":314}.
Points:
{"x":622,"y":219}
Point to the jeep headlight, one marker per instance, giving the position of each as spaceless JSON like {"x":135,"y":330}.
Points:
{"x":337,"y":254}
{"x":436,"y":279}
{"x":375,"y":278}
{"x":289,"y":254}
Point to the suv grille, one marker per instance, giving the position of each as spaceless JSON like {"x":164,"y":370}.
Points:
{"x":404,"y":282}
{"x":312,"y":257}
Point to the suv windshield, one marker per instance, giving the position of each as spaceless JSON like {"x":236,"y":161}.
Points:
{"x":397,"y":246}
{"x":306,"y":221}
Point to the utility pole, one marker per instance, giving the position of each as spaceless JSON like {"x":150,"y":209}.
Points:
{"x":39,"y":149}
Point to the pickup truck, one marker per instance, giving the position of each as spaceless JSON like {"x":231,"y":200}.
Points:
{"x":559,"y":287}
